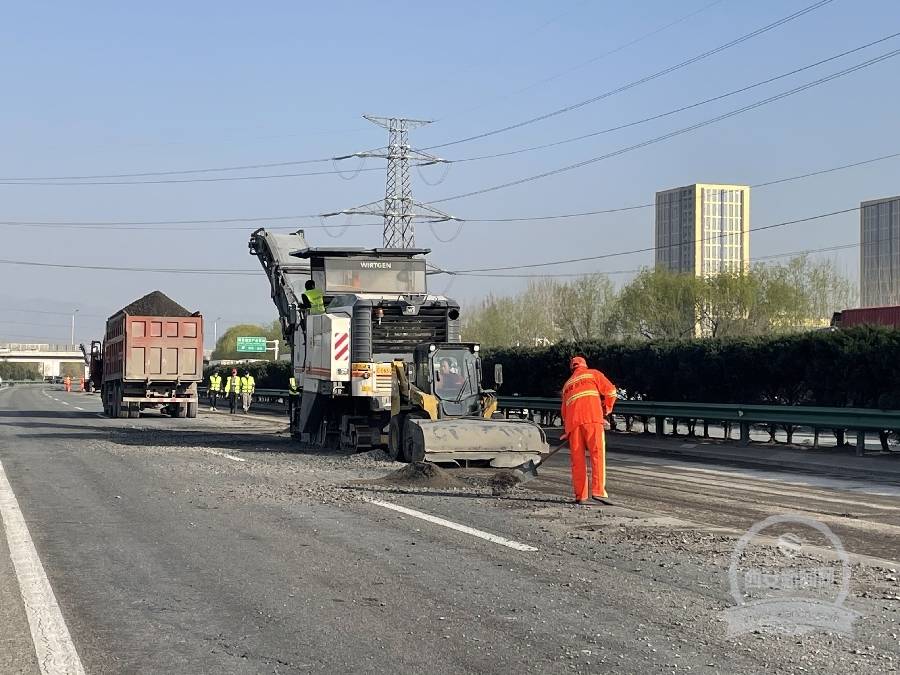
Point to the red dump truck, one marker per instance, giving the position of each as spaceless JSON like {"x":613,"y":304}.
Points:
{"x":152,"y":356}
{"x":873,"y":316}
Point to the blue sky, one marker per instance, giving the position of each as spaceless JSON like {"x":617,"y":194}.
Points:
{"x":102,"y":87}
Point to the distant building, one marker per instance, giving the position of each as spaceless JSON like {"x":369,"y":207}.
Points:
{"x":879,"y":255}
{"x":703,"y":229}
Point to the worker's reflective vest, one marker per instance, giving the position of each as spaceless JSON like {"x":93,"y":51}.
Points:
{"x":233,"y":384}
{"x":215,"y":383}
{"x":316,"y":301}
{"x":248,"y":384}
{"x":292,"y":387}
{"x":585,"y":396}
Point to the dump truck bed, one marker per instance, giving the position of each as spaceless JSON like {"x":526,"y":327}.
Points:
{"x":154,"y":348}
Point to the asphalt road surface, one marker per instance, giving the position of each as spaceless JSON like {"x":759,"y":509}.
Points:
{"x":212,"y":546}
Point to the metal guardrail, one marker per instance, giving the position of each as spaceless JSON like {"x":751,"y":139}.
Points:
{"x":836,"y":420}
{"x":859,"y":420}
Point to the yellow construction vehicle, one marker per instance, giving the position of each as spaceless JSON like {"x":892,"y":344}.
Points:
{"x":441,"y":413}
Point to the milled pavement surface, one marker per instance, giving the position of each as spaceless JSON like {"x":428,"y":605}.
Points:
{"x":213,"y":546}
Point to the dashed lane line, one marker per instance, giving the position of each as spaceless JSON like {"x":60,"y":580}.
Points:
{"x":481,"y":534}
{"x":53,"y":646}
{"x":224,"y":454}
{"x":77,"y":408}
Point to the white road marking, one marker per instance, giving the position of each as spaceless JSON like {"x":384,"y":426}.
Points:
{"x":53,"y":645}
{"x":225,"y":455}
{"x":747,"y":487}
{"x":869,"y":487}
{"x":77,"y":408}
{"x":100,"y":415}
{"x":454,"y":526}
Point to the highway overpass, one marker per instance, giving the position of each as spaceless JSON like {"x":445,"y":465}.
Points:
{"x":48,"y":357}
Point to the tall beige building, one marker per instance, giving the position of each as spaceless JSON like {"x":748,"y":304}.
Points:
{"x":879,"y":254}
{"x":703,"y":229}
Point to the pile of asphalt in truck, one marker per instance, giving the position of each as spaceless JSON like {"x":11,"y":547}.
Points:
{"x":155,"y":303}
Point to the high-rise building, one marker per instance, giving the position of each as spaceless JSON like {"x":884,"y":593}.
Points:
{"x":703,"y":229}
{"x":879,"y":254}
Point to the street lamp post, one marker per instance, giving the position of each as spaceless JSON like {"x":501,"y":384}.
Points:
{"x":72,"y":341}
{"x":216,"y":332}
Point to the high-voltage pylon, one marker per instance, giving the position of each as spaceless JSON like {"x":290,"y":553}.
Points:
{"x":399,"y":210}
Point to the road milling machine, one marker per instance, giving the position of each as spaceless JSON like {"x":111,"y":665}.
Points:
{"x":384,"y":365}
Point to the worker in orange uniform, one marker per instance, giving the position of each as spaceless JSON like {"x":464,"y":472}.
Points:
{"x":67,"y":382}
{"x":587,"y":396}
{"x":82,"y":384}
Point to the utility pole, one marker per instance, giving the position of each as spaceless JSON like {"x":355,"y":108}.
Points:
{"x":399,"y":210}
{"x":72,"y":341}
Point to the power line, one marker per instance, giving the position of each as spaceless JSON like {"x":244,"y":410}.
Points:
{"x":588,"y":62}
{"x":321,"y":160}
{"x":620,"y":48}
{"x":757,"y":186}
{"x":5,"y":322}
{"x":643,"y":80}
{"x":107,"y":268}
{"x":649,"y":249}
{"x":626,"y":125}
{"x":438,"y":270}
{"x":41,"y":311}
{"x":170,"y":181}
{"x":677,"y":132}
{"x":153,"y":226}
{"x":79,"y":180}
{"x":178,"y":172}
{"x":635,"y":270}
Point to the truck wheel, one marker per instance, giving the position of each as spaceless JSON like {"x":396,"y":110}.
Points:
{"x":413,"y":450}
{"x":180,"y":409}
{"x":113,"y":401}
{"x":134,"y":410}
{"x":121,"y":406}
{"x":395,"y":438}
{"x":191,"y":410}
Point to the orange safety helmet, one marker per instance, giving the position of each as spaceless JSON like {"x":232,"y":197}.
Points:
{"x":577,"y":362}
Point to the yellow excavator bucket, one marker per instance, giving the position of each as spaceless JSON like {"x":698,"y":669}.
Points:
{"x":505,"y":443}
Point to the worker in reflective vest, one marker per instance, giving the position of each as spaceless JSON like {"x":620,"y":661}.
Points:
{"x":215,"y":388}
{"x":67,"y":383}
{"x":248,"y":386}
{"x":293,"y":396}
{"x":587,"y":396}
{"x":313,"y":299}
{"x":233,"y":390}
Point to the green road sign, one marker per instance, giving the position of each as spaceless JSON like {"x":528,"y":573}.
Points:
{"x":251,"y":344}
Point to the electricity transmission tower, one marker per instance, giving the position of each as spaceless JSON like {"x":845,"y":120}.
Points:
{"x":398,"y":209}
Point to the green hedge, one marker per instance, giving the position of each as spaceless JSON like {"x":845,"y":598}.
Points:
{"x":858,"y":367}
{"x":268,"y":374}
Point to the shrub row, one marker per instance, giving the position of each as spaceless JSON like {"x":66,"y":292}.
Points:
{"x":858,"y":367}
